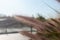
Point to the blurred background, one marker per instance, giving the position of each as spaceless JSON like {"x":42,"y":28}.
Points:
{"x":9,"y":27}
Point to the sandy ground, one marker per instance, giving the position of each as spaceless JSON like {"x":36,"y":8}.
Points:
{"x":15,"y":36}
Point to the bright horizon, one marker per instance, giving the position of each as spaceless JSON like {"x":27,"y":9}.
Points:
{"x":28,"y":7}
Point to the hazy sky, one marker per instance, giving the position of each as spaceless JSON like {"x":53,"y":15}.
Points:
{"x":28,"y":7}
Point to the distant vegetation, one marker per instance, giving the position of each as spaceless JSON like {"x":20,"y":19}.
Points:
{"x":41,"y":18}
